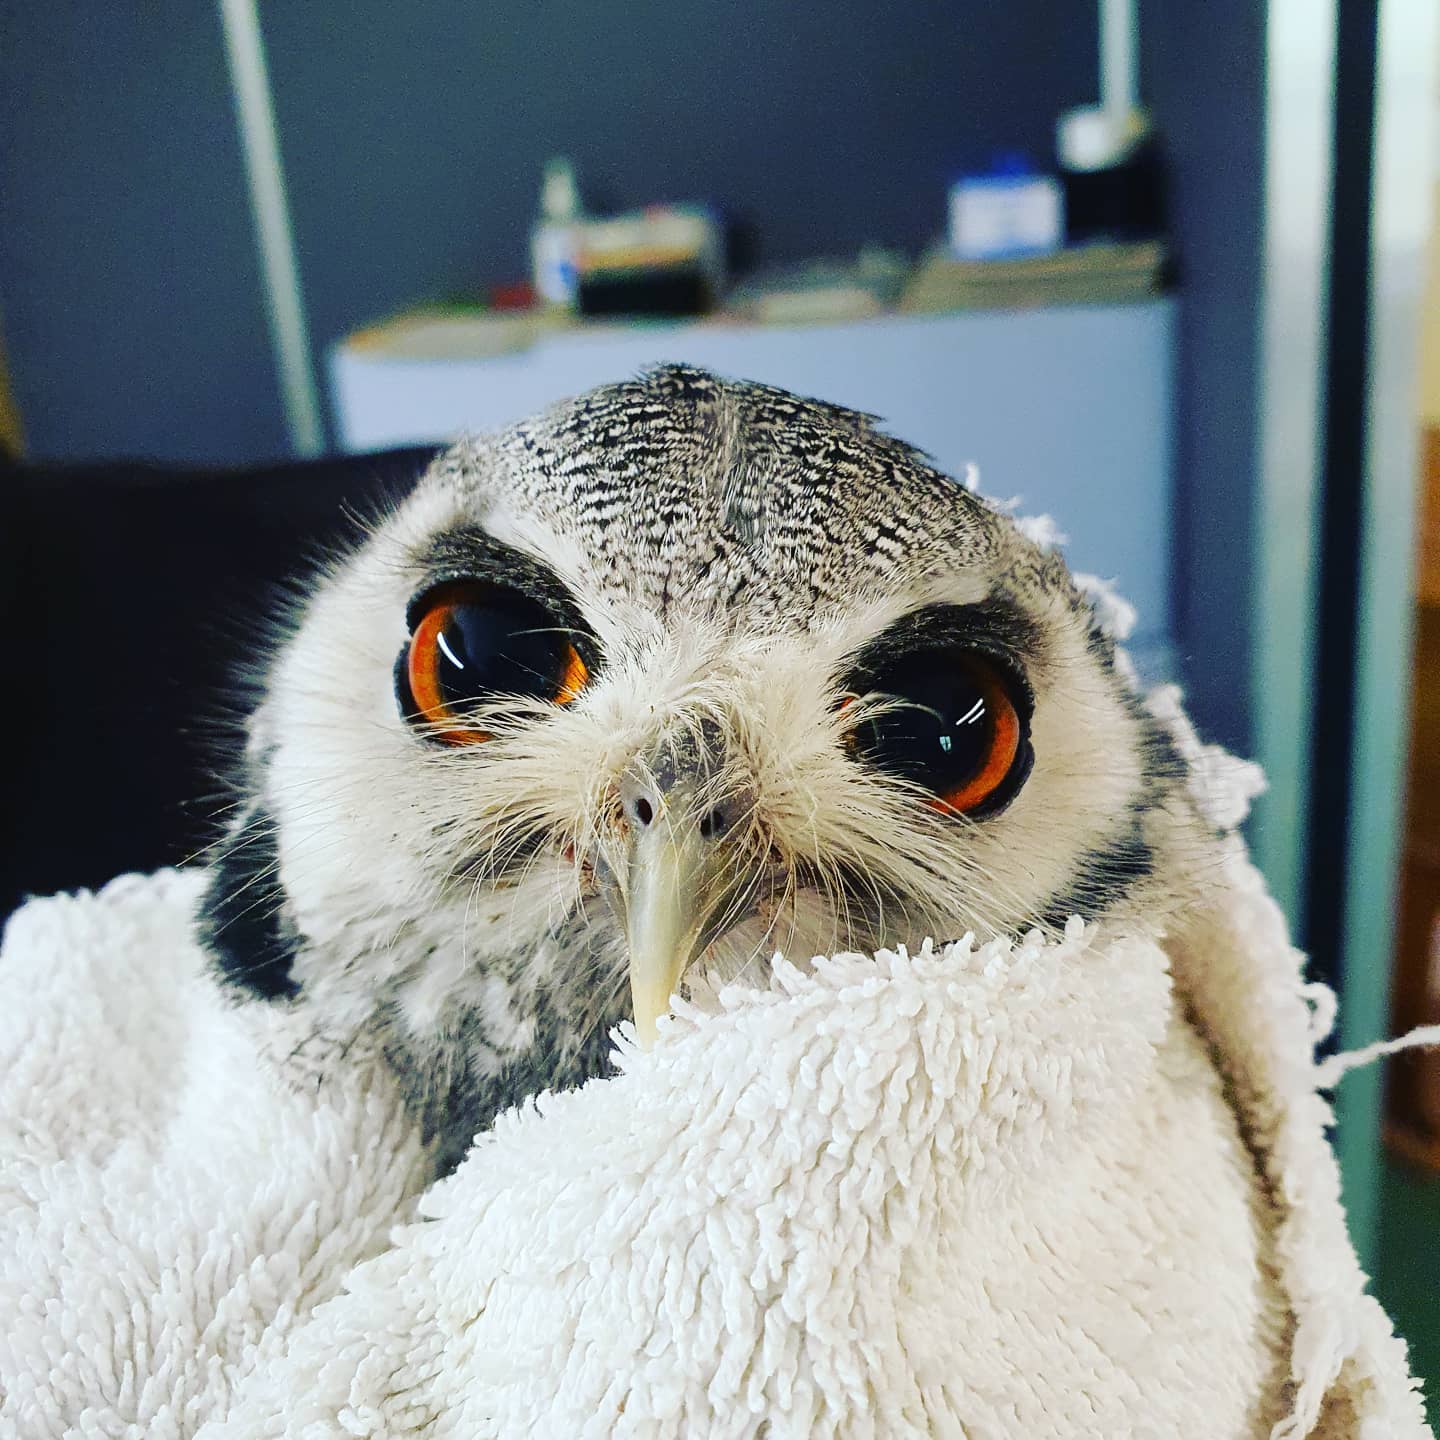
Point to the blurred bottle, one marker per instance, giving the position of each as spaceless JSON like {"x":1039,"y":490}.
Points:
{"x":555,"y":239}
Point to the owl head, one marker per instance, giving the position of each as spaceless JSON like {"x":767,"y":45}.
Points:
{"x":674,"y":676}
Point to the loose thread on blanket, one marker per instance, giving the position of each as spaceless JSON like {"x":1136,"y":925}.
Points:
{"x":1329,"y":1072}
{"x":1324,"y":1008}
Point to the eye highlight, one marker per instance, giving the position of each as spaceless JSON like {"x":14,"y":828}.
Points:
{"x":475,"y":642}
{"x":953,"y":723}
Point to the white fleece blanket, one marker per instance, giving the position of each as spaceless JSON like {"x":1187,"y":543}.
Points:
{"x":1011,"y":1190}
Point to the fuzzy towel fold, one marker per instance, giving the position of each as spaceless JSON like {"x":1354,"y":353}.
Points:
{"x":1031,"y":1189}
{"x":986,"y":1192}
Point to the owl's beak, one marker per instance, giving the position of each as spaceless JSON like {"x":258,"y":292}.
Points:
{"x":683,"y":885}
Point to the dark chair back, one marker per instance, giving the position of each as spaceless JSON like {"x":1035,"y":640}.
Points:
{"x":131,"y":596}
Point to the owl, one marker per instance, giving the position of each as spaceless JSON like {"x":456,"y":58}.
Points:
{"x":678,"y":675}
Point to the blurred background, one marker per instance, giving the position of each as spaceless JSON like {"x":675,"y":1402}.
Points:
{"x":1163,"y":271}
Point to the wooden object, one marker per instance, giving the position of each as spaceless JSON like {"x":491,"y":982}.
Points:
{"x":1414,"y":1091}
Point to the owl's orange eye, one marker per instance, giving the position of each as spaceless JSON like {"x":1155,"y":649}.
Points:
{"x":475,"y":643}
{"x":954,"y":727}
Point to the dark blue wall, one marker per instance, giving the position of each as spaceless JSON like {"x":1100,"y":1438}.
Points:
{"x":129,"y":285}
{"x":415,"y":134}
{"x":413,"y":137}
{"x":1203,"y":72}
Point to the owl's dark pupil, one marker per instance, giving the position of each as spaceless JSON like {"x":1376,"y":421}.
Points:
{"x":501,"y":646}
{"x":940,"y":732}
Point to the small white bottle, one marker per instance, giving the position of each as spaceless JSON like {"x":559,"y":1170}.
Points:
{"x":555,"y":240}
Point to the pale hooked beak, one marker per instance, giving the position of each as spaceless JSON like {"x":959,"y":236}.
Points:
{"x":683,"y":882}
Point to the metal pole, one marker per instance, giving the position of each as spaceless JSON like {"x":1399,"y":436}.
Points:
{"x":1295,"y":289}
{"x":270,"y":210}
{"x":1119,"y":85}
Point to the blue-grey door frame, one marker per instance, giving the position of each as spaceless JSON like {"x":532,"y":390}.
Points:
{"x":1399,"y":188}
{"x":1335,"y":606}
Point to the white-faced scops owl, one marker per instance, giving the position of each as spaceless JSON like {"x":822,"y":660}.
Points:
{"x":674,"y":676}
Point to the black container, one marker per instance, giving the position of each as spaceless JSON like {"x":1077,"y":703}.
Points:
{"x":1125,"y":201}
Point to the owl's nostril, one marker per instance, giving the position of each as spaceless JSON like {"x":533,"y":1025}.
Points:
{"x":685,"y":789}
{"x":642,"y":807}
{"x":642,"y":801}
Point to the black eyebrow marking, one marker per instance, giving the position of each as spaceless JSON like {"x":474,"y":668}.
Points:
{"x":995,"y":626}
{"x":467,"y":552}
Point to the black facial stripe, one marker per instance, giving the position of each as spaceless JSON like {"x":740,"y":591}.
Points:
{"x":1164,"y":769}
{"x":1104,"y":874}
{"x":469,"y":553}
{"x":239,"y":919}
{"x":995,"y":627}
{"x":1164,"y":765}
